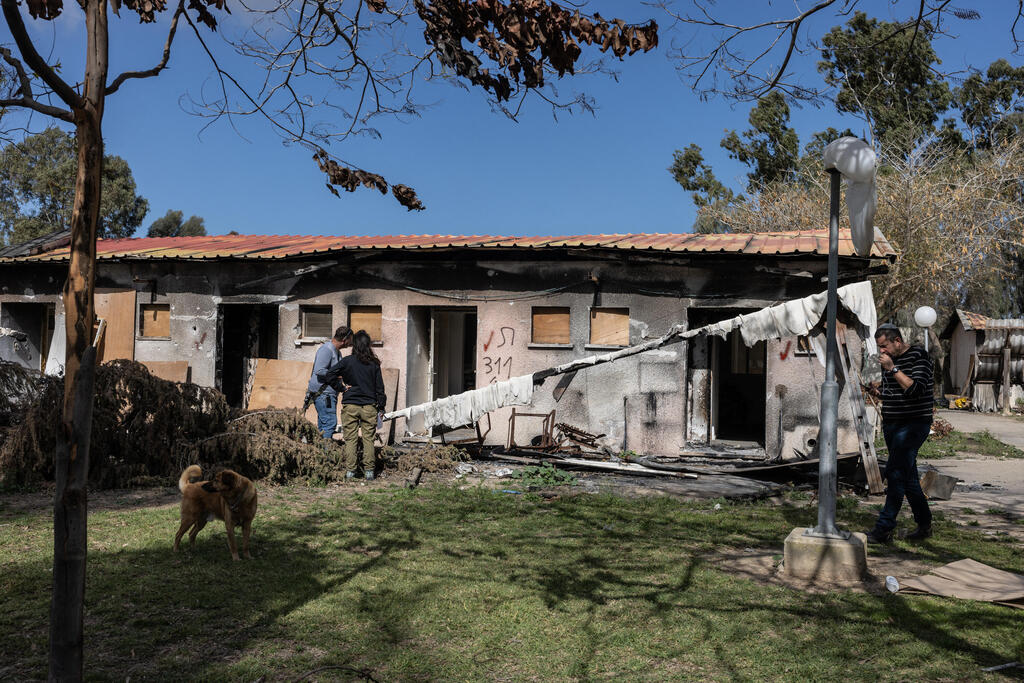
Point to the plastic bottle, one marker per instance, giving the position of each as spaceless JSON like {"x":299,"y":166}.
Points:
{"x":892,"y":584}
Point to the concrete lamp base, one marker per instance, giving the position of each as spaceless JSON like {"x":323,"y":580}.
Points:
{"x":826,"y":559}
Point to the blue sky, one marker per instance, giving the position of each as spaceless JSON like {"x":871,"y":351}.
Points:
{"x":477,"y":172}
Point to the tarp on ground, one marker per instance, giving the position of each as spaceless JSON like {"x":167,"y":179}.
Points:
{"x":970,"y":580}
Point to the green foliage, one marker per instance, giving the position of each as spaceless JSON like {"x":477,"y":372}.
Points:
{"x":887,"y":73}
{"x":171,"y":224}
{"x":991,"y":105}
{"x":690,"y":171}
{"x":771,"y":148}
{"x":37,"y":190}
{"x":544,"y":475}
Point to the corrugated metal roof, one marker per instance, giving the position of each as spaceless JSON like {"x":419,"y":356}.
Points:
{"x":1004,"y":324}
{"x":286,"y":246}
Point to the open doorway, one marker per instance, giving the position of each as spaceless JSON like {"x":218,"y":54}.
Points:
{"x":738,"y":389}
{"x":727,"y":400}
{"x":441,"y":355}
{"x":245,"y":332}
{"x":32,"y":331}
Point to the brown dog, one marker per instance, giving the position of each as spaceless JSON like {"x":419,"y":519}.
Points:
{"x":228,"y":496}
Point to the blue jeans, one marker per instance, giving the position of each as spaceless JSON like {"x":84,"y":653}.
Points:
{"x":326,"y":414}
{"x":903,"y":440}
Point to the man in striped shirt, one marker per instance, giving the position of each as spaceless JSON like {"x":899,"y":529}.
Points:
{"x":907,"y":405}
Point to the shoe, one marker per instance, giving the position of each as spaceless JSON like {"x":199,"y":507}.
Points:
{"x":876,"y":537}
{"x":350,"y":475}
{"x":370,"y":476}
{"x":919,"y":534}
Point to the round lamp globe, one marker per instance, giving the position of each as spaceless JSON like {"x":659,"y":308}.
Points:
{"x":924,"y":316}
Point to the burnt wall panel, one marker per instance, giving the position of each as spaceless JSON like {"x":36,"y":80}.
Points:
{"x":652,"y":402}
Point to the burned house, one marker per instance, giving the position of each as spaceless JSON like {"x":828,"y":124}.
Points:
{"x":448,"y":314}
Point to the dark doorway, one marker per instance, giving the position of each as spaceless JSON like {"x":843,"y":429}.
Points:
{"x":453,"y":356}
{"x":441,"y":354}
{"x":739,"y":390}
{"x":32,"y":327}
{"x":245,"y":332}
{"x":733,"y":398}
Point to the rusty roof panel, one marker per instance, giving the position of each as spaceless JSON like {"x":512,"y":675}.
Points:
{"x":971,"y":320}
{"x":291,"y":246}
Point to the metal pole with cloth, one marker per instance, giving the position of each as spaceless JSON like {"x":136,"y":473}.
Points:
{"x":824,"y":552}
{"x":829,"y":416}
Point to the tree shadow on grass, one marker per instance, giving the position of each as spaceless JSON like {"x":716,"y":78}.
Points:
{"x":155,"y":614}
{"x":368,"y":582}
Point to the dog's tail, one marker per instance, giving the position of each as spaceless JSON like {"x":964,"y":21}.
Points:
{"x":192,"y":473}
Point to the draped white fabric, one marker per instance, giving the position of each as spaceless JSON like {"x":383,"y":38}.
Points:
{"x":790,"y":319}
{"x":468,"y":407}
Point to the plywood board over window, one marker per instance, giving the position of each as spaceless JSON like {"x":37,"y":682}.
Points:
{"x":609,"y":326}
{"x":317,"y":321}
{"x":550,"y":325}
{"x":155,"y":320}
{"x":117,"y":308}
{"x":366,"y":318}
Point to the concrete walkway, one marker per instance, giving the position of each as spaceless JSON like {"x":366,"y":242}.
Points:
{"x":1009,"y":430}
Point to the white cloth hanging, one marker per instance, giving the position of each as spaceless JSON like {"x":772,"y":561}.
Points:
{"x":468,"y":407}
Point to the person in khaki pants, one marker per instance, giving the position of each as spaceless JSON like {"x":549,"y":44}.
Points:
{"x":363,"y":400}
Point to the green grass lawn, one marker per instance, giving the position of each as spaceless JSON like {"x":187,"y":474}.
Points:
{"x":958,"y":444}
{"x":443,"y":584}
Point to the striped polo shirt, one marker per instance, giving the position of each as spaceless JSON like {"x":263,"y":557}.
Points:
{"x":916,"y":402}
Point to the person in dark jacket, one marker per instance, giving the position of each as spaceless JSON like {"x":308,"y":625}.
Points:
{"x":362,"y":401}
{"x":907,"y":407}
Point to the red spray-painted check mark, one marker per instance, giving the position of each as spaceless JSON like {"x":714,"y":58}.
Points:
{"x":488,"y":342}
{"x":782,"y":356}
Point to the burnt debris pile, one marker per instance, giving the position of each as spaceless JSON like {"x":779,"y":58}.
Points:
{"x":146,"y":430}
{"x":273,"y":445}
{"x":141,"y":425}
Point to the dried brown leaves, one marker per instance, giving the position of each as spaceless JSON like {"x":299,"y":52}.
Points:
{"x":350,"y":179}
{"x":45,"y":9}
{"x":510,"y":32}
{"x":429,"y":458}
{"x":146,"y":9}
{"x":140,"y":425}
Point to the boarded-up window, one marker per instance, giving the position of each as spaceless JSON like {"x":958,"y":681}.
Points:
{"x":317,"y":321}
{"x":609,"y":326}
{"x":155,"y":320}
{"x":550,"y":325}
{"x":366,"y":318}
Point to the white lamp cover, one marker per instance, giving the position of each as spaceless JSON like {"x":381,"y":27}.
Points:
{"x":925,"y":316}
{"x":856,"y":161}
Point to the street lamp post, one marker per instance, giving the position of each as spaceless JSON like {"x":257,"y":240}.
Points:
{"x":824,"y":553}
{"x":853,"y":158}
{"x":829,"y":414}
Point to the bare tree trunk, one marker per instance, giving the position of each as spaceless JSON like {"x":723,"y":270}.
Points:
{"x":72,"y":457}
